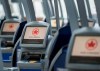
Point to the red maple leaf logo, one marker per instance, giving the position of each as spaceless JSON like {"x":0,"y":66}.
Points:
{"x":91,"y":44}
{"x":35,"y":31}
{"x":11,"y":26}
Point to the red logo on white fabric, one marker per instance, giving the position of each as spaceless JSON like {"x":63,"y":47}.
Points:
{"x":35,"y":31}
{"x":11,"y":26}
{"x":91,"y":44}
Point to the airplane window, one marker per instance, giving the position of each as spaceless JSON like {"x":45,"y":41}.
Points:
{"x":77,"y":8}
{"x":93,"y":11}
{"x":58,"y":8}
{"x":14,"y":8}
{"x":92,"y":6}
{"x":63,"y":9}
{"x":24,"y":12}
{"x":2,"y":14}
{"x":38,"y":8}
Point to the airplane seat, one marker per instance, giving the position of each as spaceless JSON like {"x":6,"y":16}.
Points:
{"x":61,"y":40}
{"x":83,"y":51}
{"x":19,"y":31}
{"x":5,"y":27}
{"x":57,"y":42}
{"x":58,"y":61}
{"x":7,"y":57}
{"x":15,"y":53}
{"x":49,"y":39}
{"x":33,"y":50}
{"x":2,"y":68}
{"x":16,"y":42}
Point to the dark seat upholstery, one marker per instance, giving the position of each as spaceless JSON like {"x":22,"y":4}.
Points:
{"x":63,"y":37}
{"x":17,"y":37}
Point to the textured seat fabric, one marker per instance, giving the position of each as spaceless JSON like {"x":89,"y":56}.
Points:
{"x":60,"y":62}
{"x":63,"y":37}
{"x":16,"y":42}
{"x":19,"y":31}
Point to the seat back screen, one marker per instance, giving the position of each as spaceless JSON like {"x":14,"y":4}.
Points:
{"x":9,"y":28}
{"x":34,"y":35}
{"x":86,"y":49}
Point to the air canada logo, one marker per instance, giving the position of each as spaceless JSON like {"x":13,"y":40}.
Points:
{"x":11,"y":26}
{"x":35,"y":31}
{"x":91,"y":44}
